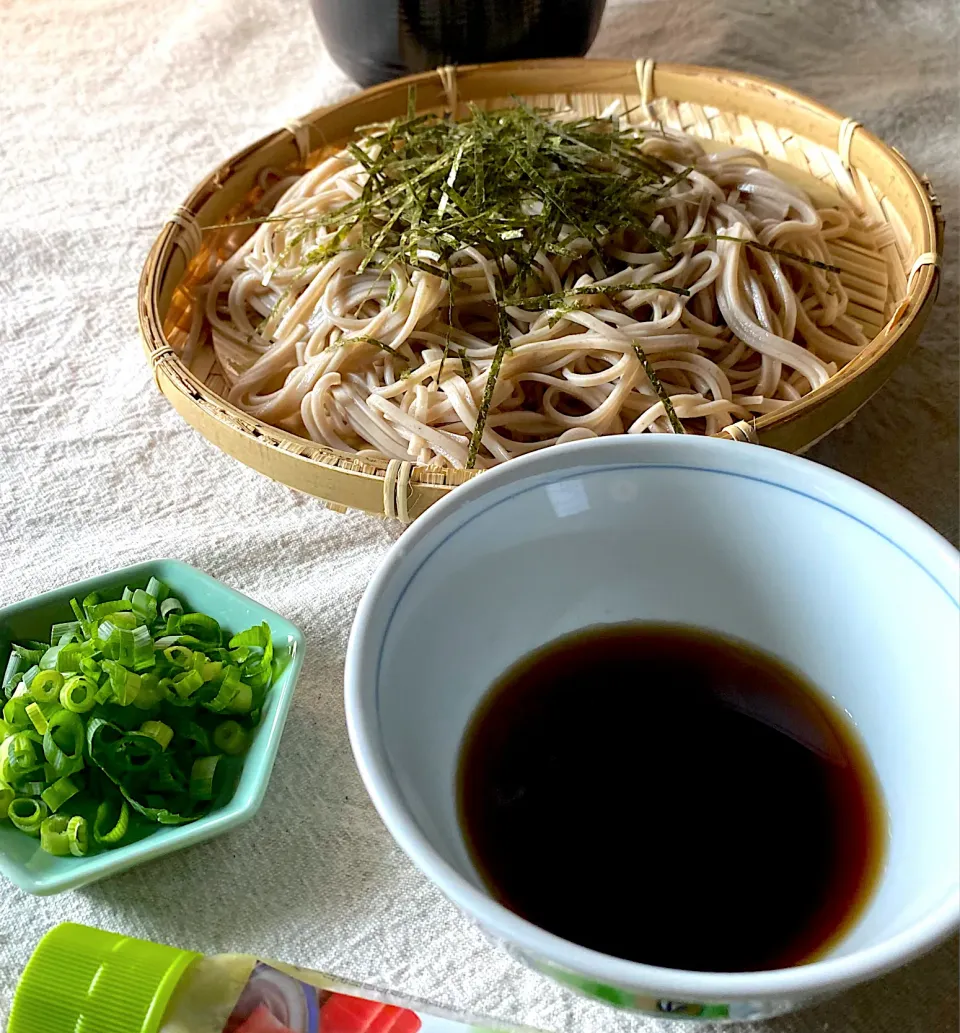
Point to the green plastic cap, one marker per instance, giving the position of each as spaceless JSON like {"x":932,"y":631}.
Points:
{"x":84,"y":980}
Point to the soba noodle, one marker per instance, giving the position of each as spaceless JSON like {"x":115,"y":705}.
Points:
{"x":370,"y":354}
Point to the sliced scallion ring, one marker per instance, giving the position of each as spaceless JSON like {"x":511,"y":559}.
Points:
{"x":78,"y":835}
{"x":144,"y":605}
{"x":186,"y":684}
{"x":53,"y":835}
{"x":159,"y":731}
{"x":79,"y":694}
{"x":201,"y":777}
{"x":157,"y":589}
{"x":18,"y":757}
{"x":46,"y":686}
{"x":202,"y":627}
{"x":63,"y":742}
{"x":179,"y":656}
{"x":230,"y":737}
{"x":111,"y":822}
{"x":28,"y":813}
{"x":57,"y":794}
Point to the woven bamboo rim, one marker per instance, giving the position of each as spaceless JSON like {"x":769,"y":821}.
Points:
{"x":890,"y":263}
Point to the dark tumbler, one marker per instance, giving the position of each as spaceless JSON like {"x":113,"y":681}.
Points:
{"x":375,"y":40}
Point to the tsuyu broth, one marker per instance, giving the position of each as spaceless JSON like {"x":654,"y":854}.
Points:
{"x":673,"y":797}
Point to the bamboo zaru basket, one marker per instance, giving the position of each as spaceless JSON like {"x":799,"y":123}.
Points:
{"x":889,"y":257}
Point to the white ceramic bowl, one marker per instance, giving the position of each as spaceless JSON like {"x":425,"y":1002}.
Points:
{"x":821,"y":571}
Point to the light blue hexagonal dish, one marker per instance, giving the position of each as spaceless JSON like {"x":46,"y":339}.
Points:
{"x":21,"y":859}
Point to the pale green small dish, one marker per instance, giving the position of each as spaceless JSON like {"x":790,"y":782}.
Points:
{"x":21,"y":859}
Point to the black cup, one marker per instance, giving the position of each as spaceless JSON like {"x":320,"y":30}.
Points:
{"x":375,"y":40}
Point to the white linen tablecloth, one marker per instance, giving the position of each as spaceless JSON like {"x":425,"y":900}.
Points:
{"x":110,"y":110}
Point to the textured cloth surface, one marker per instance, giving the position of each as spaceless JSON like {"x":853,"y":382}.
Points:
{"x":110,"y":110}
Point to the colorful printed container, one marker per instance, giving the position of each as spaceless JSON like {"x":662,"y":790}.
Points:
{"x":80,"y":978}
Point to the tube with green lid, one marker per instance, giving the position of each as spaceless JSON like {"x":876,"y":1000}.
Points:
{"x":85,"y":980}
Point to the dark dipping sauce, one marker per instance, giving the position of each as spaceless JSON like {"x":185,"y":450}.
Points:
{"x":672,"y":797}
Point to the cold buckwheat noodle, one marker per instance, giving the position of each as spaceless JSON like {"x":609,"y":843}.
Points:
{"x":460,"y":293}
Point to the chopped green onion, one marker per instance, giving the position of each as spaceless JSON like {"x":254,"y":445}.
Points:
{"x":197,"y":736}
{"x":37,"y":718}
{"x":201,"y":777}
{"x":186,"y":684}
{"x":242,"y":701}
{"x":30,"y":654}
{"x":230,"y":737}
{"x":63,"y":742}
{"x":151,"y":692}
{"x":27,"y":813}
{"x":126,"y":641}
{"x":205,"y":628}
{"x":111,"y":824}
{"x":78,"y":834}
{"x":53,"y":835}
{"x":167,"y":776}
{"x":212,"y":670}
{"x":159,"y":731}
{"x":56,"y":795}
{"x":91,"y":668}
{"x":72,"y":654}
{"x":15,"y":664}
{"x":259,"y":635}
{"x":124,"y":684}
{"x":166,"y":689}
{"x":230,"y":686}
{"x":157,"y":589}
{"x":77,"y":703}
{"x":179,"y":656}
{"x":144,"y":605}
{"x":100,"y":610}
{"x":143,"y":654}
{"x":79,"y":694}
{"x":64,"y":632}
{"x":48,"y":662}
{"x":15,"y":713}
{"x":46,"y":686}
{"x":26,"y":681}
{"x":18,"y":757}
{"x":134,"y":752}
